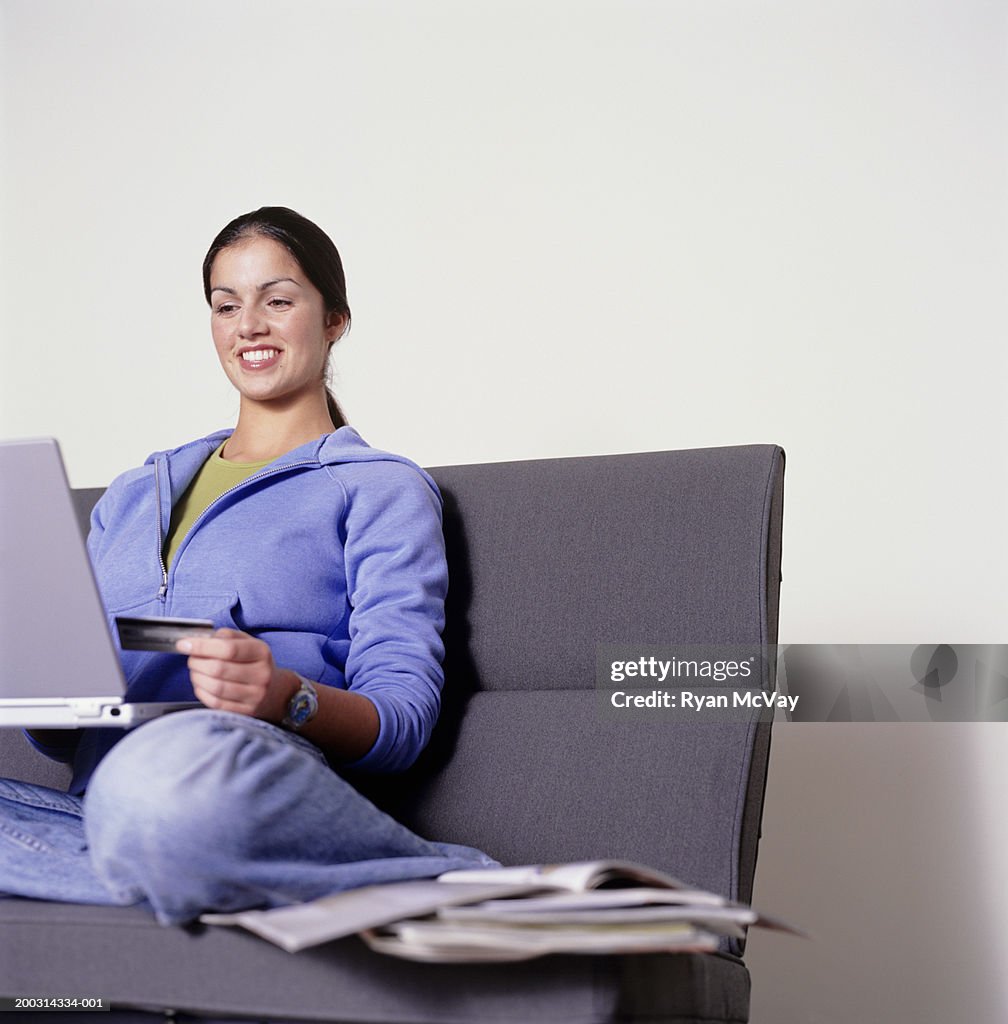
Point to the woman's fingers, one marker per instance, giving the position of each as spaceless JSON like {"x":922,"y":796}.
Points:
{"x":226,"y":696}
{"x":225,"y":645}
{"x":232,"y":671}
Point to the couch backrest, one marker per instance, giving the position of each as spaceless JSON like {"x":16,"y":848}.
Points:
{"x":547,"y":559}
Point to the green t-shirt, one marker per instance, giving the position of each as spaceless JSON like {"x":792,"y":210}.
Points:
{"x":216,"y":476}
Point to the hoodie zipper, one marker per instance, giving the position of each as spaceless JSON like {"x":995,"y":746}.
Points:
{"x":163,"y":591}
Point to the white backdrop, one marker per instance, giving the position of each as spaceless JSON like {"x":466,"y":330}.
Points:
{"x":588,"y":227}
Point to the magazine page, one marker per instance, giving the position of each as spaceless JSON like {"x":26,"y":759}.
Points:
{"x":434,"y":941}
{"x":576,"y":876}
{"x":345,"y":913}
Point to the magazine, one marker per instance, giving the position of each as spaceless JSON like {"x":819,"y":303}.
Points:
{"x":439,"y":941}
{"x":512,"y":913}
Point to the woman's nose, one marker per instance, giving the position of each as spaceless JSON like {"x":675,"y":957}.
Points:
{"x":251,"y":323}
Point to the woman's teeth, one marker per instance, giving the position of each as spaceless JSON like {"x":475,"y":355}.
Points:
{"x":259,"y":355}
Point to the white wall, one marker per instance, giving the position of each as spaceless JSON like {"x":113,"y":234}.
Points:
{"x":590,"y":227}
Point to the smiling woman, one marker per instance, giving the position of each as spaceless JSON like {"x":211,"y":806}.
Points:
{"x":273,"y":334}
{"x":277,"y":293}
{"x":321,"y":562}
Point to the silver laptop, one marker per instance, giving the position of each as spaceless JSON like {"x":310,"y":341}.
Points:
{"x":58,"y":663}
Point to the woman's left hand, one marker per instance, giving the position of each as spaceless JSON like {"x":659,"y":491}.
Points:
{"x":232,"y":671}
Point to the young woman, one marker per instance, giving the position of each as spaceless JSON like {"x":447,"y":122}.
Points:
{"x":321,"y":561}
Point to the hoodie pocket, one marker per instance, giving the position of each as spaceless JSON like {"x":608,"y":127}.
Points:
{"x":220,"y":607}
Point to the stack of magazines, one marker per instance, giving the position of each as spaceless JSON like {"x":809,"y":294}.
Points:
{"x":496,"y":914}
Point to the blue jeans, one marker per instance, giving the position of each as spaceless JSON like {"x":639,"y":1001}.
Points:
{"x":208,"y":810}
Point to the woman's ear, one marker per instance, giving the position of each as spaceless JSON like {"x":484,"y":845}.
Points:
{"x":335,"y":326}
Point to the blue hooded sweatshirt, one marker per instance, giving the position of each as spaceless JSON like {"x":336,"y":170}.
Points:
{"x":333,"y":554}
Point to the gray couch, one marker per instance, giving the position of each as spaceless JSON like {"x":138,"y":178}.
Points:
{"x":547,"y":559}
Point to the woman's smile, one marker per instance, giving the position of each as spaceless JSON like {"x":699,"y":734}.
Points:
{"x":259,"y":358}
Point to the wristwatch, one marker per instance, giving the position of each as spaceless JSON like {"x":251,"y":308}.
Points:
{"x":303,"y":705}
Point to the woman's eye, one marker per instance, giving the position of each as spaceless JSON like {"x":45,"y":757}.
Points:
{"x":278,"y":303}
{"x":225,"y":308}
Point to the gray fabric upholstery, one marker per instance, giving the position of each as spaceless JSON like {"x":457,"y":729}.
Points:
{"x":18,"y":760}
{"x":572,"y":787}
{"x":547,"y":559}
{"x":218,"y":971}
{"x":661,"y":547}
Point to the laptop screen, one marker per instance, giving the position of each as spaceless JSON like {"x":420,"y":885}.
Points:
{"x":54,"y":635}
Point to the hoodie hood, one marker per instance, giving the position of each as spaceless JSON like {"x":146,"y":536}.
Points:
{"x":341,"y":446}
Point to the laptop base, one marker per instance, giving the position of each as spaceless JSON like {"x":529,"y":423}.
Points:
{"x":93,"y":712}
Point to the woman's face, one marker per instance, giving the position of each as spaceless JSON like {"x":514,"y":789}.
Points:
{"x":270,"y":326}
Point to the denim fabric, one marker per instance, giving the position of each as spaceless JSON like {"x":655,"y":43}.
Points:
{"x":43,"y":852}
{"x":208,"y":810}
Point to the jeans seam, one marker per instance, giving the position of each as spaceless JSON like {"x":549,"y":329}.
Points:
{"x":32,"y":798}
{"x":24,"y":839}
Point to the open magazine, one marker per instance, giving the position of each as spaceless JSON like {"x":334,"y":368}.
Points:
{"x":513,"y":914}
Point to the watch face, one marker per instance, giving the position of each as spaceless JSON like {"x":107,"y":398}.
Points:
{"x":302,"y":707}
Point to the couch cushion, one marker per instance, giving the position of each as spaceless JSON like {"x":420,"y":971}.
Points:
{"x":544,"y":776}
{"x":123,"y":955}
{"x":659,"y":547}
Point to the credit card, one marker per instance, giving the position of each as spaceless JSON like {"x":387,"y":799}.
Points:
{"x":158,"y":633}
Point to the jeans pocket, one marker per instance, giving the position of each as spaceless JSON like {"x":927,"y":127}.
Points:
{"x":50,"y":834}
